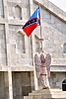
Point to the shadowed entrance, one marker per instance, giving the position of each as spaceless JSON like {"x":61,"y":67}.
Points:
{"x":64,"y":85}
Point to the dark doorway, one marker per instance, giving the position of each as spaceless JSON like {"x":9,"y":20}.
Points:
{"x":64,"y":85}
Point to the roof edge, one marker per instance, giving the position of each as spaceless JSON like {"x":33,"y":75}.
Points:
{"x":53,"y":9}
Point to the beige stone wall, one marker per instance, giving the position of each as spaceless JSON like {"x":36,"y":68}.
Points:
{"x":21,"y":84}
{"x":12,"y":56}
{"x":2,"y":45}
{"x":57,"y":79}
{"x":14,"y":49}
{"x":1,"y":9}
{"x":24,"y":5}
{"x":4,"y":85}
{"x":14,"y":85}
{"x":54,"y":34}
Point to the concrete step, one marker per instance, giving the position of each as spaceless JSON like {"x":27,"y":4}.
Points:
{"x":41,"y":90}
{"x":47,"y":94}
{"x":28,"y":97}
{"x":46,"y":91}
{"x":44,"y":97}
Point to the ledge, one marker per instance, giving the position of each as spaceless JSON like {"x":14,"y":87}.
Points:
{"x":58,"y":68}
{"x":52,"y":9}
{"x":17,"y":68}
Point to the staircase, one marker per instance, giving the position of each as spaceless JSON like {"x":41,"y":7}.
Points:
{"x":47,"y":94}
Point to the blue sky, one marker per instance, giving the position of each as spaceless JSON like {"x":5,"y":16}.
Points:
{"x":60,"y":3}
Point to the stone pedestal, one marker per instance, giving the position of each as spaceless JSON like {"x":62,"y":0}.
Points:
{"x":47,"y":94}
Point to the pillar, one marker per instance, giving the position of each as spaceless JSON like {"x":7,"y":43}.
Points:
{"x":10,"y":85}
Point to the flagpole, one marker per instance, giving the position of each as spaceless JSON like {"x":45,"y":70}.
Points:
{"x":41,"y":47}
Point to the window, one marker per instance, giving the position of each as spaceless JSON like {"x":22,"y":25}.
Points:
{"x":64,"y":48}
{"x":20,"y":43}
{"x":18,"y":12}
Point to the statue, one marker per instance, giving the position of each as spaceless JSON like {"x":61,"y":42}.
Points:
{"x":42,"y":65}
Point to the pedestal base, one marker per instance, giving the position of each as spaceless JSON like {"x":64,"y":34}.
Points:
{"x":47,"y":94}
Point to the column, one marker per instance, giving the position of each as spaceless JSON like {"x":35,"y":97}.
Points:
{"x":10,"y":85}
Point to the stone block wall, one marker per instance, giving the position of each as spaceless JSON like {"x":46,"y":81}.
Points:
{"x":12,"y":54}
{"x":4,"y":89}
{"x":57,"y":79}
{"x":54,"y":34}
{"x":21,"y":84}
{"x":15,"y":48}
{"x":24,"y":5}
{"x":2,"y":45}
{"x":1,"y":9}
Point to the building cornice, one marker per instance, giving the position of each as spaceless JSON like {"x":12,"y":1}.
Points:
{"x":50,"y":7}
{"x":58,"y":68}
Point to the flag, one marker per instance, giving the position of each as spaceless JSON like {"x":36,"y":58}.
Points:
{"x":32,"y":23}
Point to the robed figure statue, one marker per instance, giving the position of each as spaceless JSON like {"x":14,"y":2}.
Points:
{"x":42,"y":68}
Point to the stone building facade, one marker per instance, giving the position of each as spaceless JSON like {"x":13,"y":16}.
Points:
{"x":17,"y":50}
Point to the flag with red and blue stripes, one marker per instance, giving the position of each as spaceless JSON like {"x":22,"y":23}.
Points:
{"x":32,"y":23}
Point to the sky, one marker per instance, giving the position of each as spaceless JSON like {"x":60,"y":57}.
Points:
{"x":60,"y":3}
